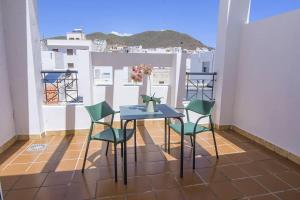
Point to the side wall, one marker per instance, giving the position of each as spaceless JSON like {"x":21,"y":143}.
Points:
{"x":7,"y":128}
{"x":267,"y":88}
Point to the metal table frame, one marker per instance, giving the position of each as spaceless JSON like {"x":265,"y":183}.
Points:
{"x":163,"y":111}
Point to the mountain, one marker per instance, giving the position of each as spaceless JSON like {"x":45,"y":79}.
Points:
{"x":149,"y":39}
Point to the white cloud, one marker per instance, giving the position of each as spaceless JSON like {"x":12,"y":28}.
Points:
{"x":120,"y":34}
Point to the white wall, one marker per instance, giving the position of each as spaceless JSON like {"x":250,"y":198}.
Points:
{"x":233,"y":14}
{"x":52,"y":60}
{"x":120,"y":94}
{"x":24,"y":63}
{"x":7,"y":127}
{"x":267,"y":93}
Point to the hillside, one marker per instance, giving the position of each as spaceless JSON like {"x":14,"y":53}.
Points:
{"x":148,"y":39}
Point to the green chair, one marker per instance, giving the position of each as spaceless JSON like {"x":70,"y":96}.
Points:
{"x":98,"y":112}
{"x":192,"y":129}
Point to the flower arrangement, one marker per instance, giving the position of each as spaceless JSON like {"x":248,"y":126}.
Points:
{"x":137,"y":73}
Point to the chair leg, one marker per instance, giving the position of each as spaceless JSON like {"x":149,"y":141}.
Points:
{"x":215,"y":143}
{"x":194,"y":150}
{"x":116,"y":163}
{"x":191,"y":141}
{"x":107,"y":148}
{"x":85,"y":155}
{"x":169,"y":138}
{"x":122,"y":150}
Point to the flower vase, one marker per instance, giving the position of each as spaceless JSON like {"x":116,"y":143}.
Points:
{"x":150,"y":106}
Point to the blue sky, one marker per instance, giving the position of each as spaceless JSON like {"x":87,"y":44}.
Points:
{"x":197,"y":18}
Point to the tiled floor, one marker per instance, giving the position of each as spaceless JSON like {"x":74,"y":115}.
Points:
{"x":244,"y":170}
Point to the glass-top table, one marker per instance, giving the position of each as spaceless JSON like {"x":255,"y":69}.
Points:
{"x":138,"y":112}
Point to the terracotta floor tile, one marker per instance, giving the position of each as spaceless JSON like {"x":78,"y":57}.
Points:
{"x":88,"y":175}
{"x":248,"y":187}
{"x":138,"y":184}
{"x":272,"y":166}
{"x":233,"y":172}
{"x":210,"y":175}
{"x":154,"y":175}
{"x":152,"y":168}
{"x":142,"y":196}
{"x":52,"y":192}
{"x":58,"y":178}
{"x":265,"y":197}
{"x":15,"y":169}
{"x":272,"y":183}
{"x":107,"y":188}
{"x":190,"y":177}
{"x":252,"y":169}
{"x":239,"y":158}
{"x":41,"y":167}
{"x":222,"y":161}
{"x":289,"y":195}
{"x":225,"y":190}
{"x":7,"y":182}
{"x":43,"y":157}
{"x":30,"y":181}
{"x":163,"y":181}
{"x":172,"y":194}
{"x":75,"y":147}
{"x":258,"y":155}
{"x":290,"y":177}
{"x":71,"y":155}
{"x":24,"y":194}
{"x":198,"y":192}
{"x":79,"y":191}
{"x":66,"y":165}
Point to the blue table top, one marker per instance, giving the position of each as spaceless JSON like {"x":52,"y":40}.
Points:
{"x":139,"y":112}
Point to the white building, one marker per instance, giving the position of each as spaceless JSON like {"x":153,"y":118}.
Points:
{"x":62,"y":53}
{"x":202,"y":61}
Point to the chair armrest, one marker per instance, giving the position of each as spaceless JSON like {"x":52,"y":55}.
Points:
{"x":180,"y":108}
{"x":117,"y":111}
{"x":103,"y":123}
{"x":202,"y":117}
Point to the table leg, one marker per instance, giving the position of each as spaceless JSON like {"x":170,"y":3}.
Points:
{"x":125,"y":152}
{"x":165,"y":134}
{"x":134,"y":127}
{"x":182,"y":146}
{"x":121,"y":125}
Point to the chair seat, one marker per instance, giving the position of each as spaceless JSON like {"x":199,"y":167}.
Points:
{"x":108,"y":135}
{"x":188,"y":128}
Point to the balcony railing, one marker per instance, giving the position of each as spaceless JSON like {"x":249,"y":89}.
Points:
{"x":200,"y":85}
{"x":60,"y":87}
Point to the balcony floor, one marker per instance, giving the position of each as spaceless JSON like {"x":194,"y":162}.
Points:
{"x":244,"y":171}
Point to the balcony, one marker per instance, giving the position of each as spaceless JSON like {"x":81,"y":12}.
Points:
{"x":44,"y":124}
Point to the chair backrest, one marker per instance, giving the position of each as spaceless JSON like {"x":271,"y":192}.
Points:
{"x":201,"y":106}
{"x":99,"y":111}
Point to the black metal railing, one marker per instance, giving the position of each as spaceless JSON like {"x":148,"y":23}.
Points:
{"x":200,"y":85}
{"x":60,"y":86}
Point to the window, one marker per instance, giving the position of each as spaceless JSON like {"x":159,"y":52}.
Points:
{"x":205,"y":66}
{"x":70,"y":65}
{"x":56,"y":50}
{"x":70,"y":52}
{"x":103,"y":75}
